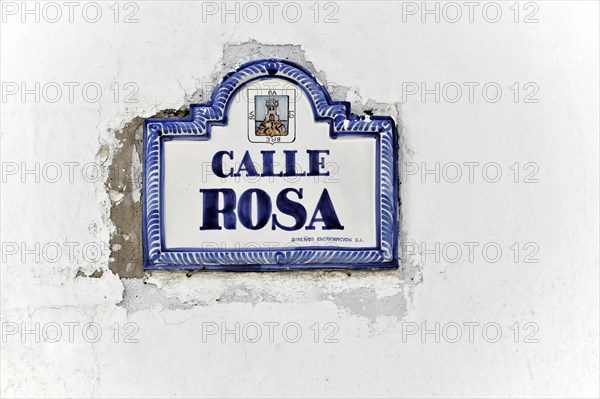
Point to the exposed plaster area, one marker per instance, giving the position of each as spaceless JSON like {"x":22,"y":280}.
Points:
{"x":367,"y":294}
{"x":359,"y":293}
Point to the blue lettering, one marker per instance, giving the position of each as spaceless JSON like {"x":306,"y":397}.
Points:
{"x":328,"y":215}
{"x":223,"y":201}
{"x":217,"y":164}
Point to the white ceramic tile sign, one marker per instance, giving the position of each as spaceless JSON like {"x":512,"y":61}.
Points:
{"x":271,"y":174}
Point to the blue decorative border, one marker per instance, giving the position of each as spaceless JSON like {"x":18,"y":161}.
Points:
{"x":198,"y":126}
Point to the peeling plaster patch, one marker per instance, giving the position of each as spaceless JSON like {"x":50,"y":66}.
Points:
{"x":140,"y":295}
{"x":136,"y":175}
{"x":124,"y":214}
{"x":103,"y":154}
{"x":96,"y":274}
{"x":361,"y":293}
{"x":367,"y":303}
{"x":237,"y":54}
{"x":244,"y":294}
{"x":115,"y":196}
{"x":412,"y":272}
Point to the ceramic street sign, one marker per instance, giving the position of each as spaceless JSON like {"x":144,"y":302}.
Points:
{"x":271,"y":174}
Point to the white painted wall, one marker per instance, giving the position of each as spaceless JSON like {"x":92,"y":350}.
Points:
{"x":171,"y":53}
